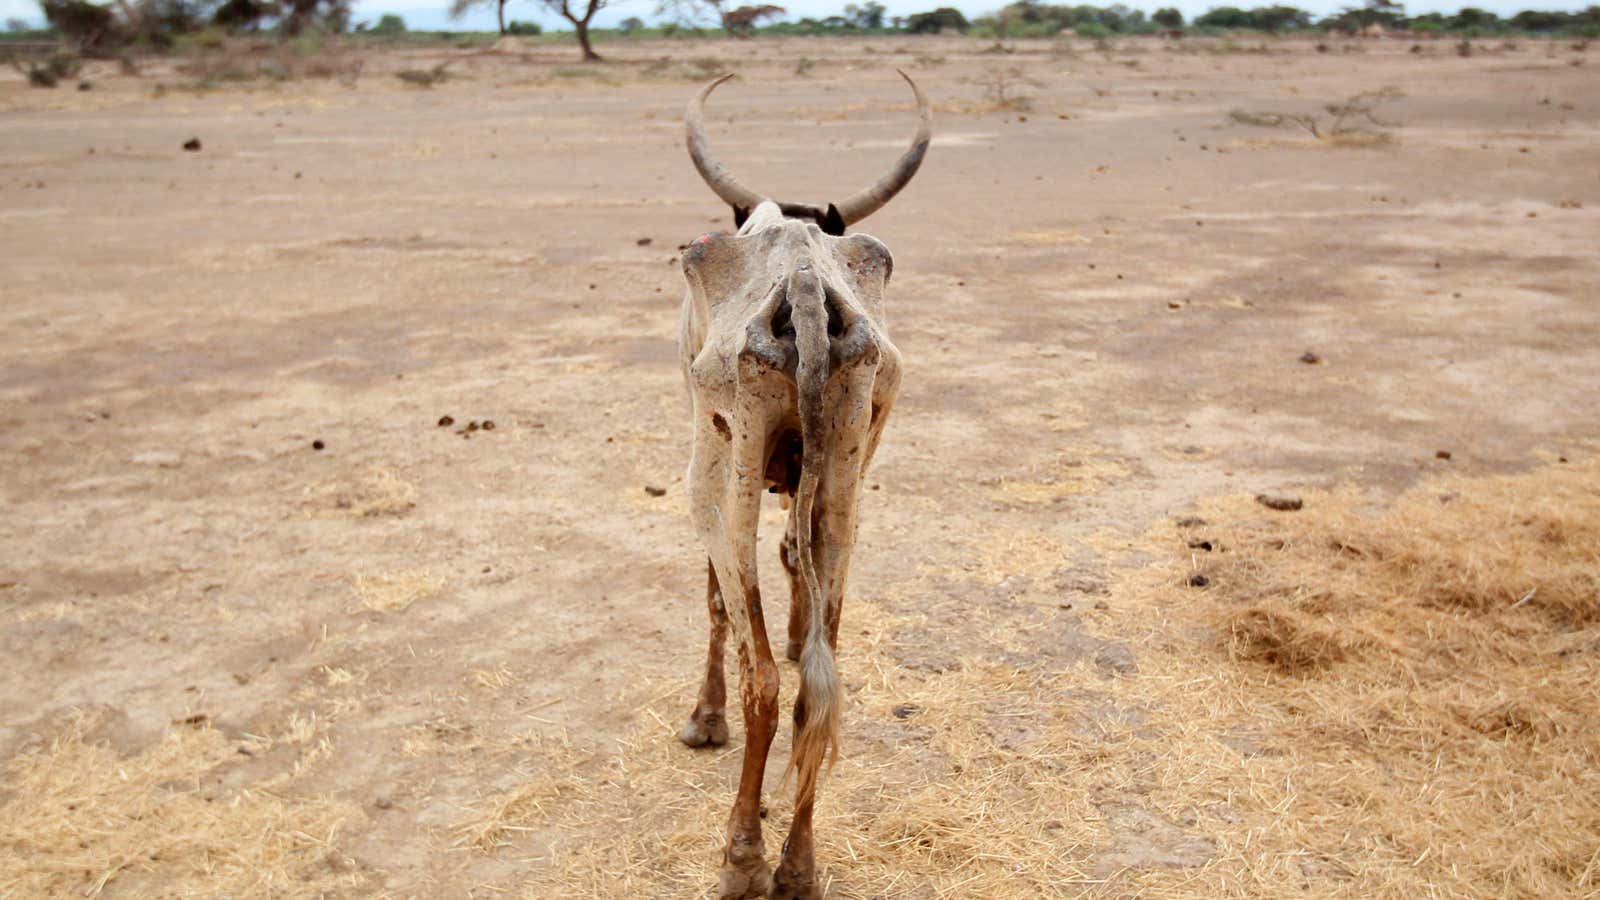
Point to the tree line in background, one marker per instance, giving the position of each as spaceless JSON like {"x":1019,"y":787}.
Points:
{"x":112,"y":28}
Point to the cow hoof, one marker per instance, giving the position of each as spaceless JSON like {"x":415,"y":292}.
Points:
{"x":704,"y":729}
{"x":794,"y":883}
{"x":746,"y":882}
{"x":792,"y":651}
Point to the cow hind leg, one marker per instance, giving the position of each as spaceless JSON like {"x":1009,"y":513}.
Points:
{"x":708,"y":721}
{"x":745,"y":873}
{"x":796,"y":878}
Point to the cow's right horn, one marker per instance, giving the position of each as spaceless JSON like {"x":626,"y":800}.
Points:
{"x":869,"y":201}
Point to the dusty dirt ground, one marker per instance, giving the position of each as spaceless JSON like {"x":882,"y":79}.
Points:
{"x":443,"y":656}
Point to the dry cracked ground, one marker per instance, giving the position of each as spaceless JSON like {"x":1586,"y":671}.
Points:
{"x":442,"y":660}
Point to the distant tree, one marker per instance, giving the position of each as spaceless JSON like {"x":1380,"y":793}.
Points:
{"x":867,"y":15}
{"x":580,"y":13}
{"x":241,"y":15}
{"x":1224,"y":17}
{"x":1168,"y":18}
{"x":335,"y":17}
{"x":1533,"y":20}
{"x":937,"y":21}
{"x":630,"y":25}
{"x":92,"y":28}
{"x":1471,"y":17}
{"x":1274,"y":19}
{"x":390,"y":24}
{"x":459,"y":8}
{"x":737,"y":21}
{"x":296,"y":15}
{"x":524,"y":29}
{"x":1120,"y":18}
{"x":741,"y":22}
{"x":1385,"y":13}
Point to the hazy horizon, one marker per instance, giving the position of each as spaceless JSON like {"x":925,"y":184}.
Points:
{"x":432,"y":18}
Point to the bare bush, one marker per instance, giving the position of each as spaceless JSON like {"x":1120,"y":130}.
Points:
{"x":1346,"y":122}
{"x":425,"y":78}
{"x":1003,"y":86}
{"x":49,"y":73}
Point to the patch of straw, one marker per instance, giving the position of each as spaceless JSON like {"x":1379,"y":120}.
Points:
{"x":1413,"y":692}
{"x":396,"y":591}
{"x":79,"y":819}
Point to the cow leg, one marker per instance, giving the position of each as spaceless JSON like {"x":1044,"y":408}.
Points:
{"x":744,"y":872}
{"x":797,"y":593}
{"x":726,"y":481}
{"x":708,"y":722}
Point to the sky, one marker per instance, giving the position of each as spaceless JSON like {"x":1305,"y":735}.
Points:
{"x":436,"y":16}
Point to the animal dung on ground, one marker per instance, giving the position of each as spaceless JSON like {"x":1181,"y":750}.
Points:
{"x":1198,"y":580}
{"x":1310,"y":358}
{"x":644,"y":241}
{"x":654,"y":491}
{"x":1280,"y":502}
{"x":1441,"y":454}
{"x":192,"y":145}
{"x":906,"y":710}
{"x":488,"y":424}
{"x":446,"y":421}
{"x":317,"y":445}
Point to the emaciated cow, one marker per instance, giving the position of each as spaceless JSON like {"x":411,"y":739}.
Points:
{"x":791,"y":375}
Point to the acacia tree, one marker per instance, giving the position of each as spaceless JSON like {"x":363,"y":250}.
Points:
{"x":580,"y":14}
{"x":737,"y":22}
{"x":459,"y":8}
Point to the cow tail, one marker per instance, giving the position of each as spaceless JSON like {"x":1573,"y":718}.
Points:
{"x":818,"y":708}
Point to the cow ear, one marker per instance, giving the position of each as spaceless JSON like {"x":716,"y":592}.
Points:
{"x":740,"y":214}
{"x":832,"y":222}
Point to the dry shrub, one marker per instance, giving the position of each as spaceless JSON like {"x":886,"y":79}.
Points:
{"x":77,"y":817}
{"x":1284,"y":638}
{"x":1352,"y":122}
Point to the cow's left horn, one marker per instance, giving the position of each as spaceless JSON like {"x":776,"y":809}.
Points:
{"x":718,"y":177}
{"x":872,"y":199}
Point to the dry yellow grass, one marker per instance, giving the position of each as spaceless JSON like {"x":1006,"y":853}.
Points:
{"x":396,"y":591}
{"x":77,"y":817}
{"x":1397,"y":700}
{"x":1418,"y":688}
{"x":1364,"y":702}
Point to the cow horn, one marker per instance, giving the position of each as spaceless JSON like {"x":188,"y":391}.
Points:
{"x":715,"y":174}
{"x":872,"y":199}
{"x":854,"y":209}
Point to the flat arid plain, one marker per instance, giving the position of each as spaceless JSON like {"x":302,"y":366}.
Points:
{"x":446,"y":660}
